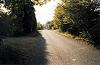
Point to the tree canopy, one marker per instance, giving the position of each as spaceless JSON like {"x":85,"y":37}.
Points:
{"x":78,"y":17}
{"x":22,"y":15}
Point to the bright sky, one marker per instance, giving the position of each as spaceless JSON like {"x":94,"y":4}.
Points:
{"x":45,"y":12}
{"x":3,"y":9}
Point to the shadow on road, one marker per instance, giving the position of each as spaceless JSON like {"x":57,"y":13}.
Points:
{"x":25,"y":50}
{"x":39,"y":51}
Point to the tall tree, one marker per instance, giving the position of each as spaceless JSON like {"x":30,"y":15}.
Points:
{"x":23,"y":14}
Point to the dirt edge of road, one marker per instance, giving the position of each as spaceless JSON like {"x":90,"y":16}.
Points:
{"x":88,"y":42}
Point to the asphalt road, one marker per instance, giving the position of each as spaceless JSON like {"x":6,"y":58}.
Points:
{"x":61,"y":50}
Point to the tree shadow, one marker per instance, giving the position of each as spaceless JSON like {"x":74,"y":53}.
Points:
{"x":33,"y":54}
{"x":39,"y":51}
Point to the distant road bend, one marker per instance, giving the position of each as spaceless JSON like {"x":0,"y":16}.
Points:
{"x":65,"y":51}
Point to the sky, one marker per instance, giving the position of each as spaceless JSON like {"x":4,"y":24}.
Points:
{"x":3,"y":9}
{"x":45,"y":12}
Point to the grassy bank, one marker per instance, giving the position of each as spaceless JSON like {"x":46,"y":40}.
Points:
{"x":68,"y":35}
{"x":16,"y":50}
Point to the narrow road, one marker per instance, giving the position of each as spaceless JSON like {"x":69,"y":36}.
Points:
{"x":65,"y":51}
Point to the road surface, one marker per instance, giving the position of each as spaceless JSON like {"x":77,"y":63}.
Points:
{"x":60,"y":50}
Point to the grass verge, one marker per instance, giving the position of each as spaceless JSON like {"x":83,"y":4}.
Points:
{"x":16,"y":50}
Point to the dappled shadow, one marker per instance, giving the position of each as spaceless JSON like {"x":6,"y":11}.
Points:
{"x":33,"y":52}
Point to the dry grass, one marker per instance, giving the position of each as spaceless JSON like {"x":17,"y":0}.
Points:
{"x":66,"y":34}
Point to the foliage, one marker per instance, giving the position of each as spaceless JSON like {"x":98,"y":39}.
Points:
{"x":22,"y":15}
{"x":78,"y":18}
{"x":39,"y":26}
{"x":5,"y":24}
{"x":49,"y":25}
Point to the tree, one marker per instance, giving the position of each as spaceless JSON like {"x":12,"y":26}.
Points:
{"x":39,"y":26}
{"x":29,"y":19}
{"x":22,"y":14}
{"x":78,"y":18}
{"x":60,"y":18}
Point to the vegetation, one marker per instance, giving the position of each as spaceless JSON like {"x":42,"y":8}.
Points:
{"x":48,"y":25}
{"x":39,"y":26}
{"x":80,"y":18}
{"x":19,"y":20}
{"x":22,"y":16}
{"x":77,"y":17}
{"x":18,"y":50}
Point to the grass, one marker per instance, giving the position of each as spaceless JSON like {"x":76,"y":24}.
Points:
{"x":23,"y":50}
{"x":16,"y":50}
{"x":73,"y":36}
